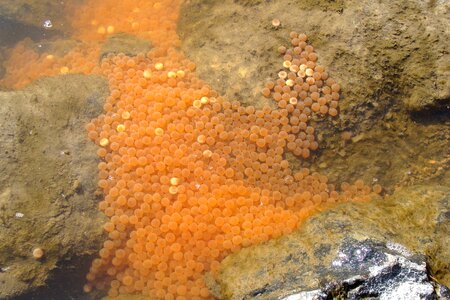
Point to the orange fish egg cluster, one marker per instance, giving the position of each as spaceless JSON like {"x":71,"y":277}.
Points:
{"x":149,"y":19}
{"x":25,"y":65}
{"x":303,"y":88}
{"x":190,"y":177}
{"x":93,"y":22}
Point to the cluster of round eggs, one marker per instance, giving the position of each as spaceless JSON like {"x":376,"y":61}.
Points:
{"x":93,"y":22}
{"x":303,"y":87}
{"x":303,"y":83}
{"x":153,"y":20}
{"x":189,"y":177}
{"x":24,"y":64}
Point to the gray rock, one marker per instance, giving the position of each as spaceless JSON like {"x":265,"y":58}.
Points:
{"x":48,"y":185}
{"x":384,"y":271}
{"x":384,"y":249}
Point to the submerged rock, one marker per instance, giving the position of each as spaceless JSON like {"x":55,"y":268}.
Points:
{"x":47,"y":189}
{"x":384,"y":51}
{"x":384,"y":249}
{"x":125,"y":43}
{"x":390,"y":58}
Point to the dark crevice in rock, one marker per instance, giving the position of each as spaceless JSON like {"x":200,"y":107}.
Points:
{"x":433,"y":114}
{"x":65,"y":282}
{"x":260,"y":291}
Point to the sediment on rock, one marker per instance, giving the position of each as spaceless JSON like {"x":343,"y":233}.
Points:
{"x":48,"y":193}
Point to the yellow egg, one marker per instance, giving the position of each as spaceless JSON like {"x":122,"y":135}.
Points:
{"x":173,"y":190}
{"x":180,"y":73}
{"x":64,"y":70}
{"x":101,"y":30}
{"x":147,"y":74}
{"x":126,"y":115}
{"x":110,"y":29}
{"x":207,"y":153}
{"x":104,"y":142}
{"x":290,"y":82}
{"x":197,"y":103}
{"x":120,"y":128}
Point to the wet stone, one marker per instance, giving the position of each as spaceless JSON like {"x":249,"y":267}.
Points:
{"x":33,"y":13}
{"x":385,"y":271}
{"x":390,"y":60}
{"x":35,"y":19}
{"x":125,"y":43}
{"x":380,"y":52}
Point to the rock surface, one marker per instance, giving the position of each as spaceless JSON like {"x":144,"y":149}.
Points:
{"x":390,"y":58}
{"x":125,"y":43}
{"x":384,"y":51}
{"x":48,"y":200}
{"x":355,"y":250}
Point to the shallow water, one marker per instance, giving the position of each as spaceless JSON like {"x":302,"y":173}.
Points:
{"x":183,"y":168}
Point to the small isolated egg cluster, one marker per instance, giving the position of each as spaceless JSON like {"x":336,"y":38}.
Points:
{"x":189,"y":177}
{"x":303,"y":88}
{"x":303,"y":82}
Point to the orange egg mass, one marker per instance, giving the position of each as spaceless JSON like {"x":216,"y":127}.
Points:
{"x":188,"y":176}
{"x":209,"y":179}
